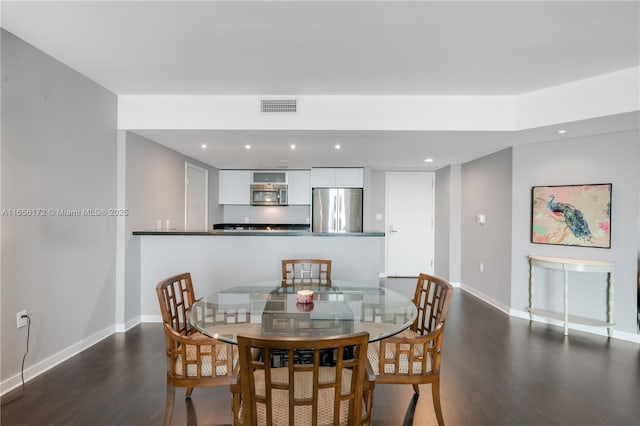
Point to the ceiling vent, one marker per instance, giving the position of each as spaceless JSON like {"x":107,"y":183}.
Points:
{"x":278,"y":105}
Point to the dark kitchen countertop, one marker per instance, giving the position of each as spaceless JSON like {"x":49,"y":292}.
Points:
{"x":273,"y":233}
{"x":262,"y":227}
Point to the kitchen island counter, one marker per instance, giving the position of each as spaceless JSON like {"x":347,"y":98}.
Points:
{"x":224,"y":259}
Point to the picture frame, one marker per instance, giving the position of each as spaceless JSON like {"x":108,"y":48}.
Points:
{"x":572,"y":215}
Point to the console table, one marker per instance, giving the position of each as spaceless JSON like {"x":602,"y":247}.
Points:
{"x":577,"y":265}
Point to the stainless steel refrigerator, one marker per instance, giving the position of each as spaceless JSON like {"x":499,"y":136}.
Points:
{"x":336,"y":210}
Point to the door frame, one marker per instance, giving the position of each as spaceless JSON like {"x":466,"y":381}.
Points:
{"x":186,"y":193}
{"x":386,"y":215}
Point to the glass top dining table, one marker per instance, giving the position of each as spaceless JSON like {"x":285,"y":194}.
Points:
{"x":267,"y":309}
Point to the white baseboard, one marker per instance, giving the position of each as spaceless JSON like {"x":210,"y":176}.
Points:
{"x":151,"y":318}
{"x":622,"y":335}
{"x":121,"y":328}
{"x":625,"y":335}
{"x":46,"y":364}
{"x":485,"y":298}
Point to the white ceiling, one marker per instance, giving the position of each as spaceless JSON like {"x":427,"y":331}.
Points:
{"x":334,"y":48}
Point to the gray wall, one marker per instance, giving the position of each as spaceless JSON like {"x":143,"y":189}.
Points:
{"x":455,"y":209}
{"x":486,"y":189}
{"x":613,"y":158}
{"x":155,"y":185}
{"x":442,"y":221}
{"x":376,"y":194}
{"x":155,"y":191}
{"x":58,"y":151}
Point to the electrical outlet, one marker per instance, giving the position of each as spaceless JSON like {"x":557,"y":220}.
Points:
{"x":481,"y":267}
{"x":21,"y":322}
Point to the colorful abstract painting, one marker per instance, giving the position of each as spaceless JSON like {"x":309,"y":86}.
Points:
{"x":572,"y":215}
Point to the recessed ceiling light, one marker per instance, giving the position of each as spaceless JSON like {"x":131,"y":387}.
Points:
{"x":337,"y":146}
{"x":292,"y":146}
{"x":561,"y":131}
{"x":428,"y":160}
{"x":247,"y":146}
{"x":203,"y":146}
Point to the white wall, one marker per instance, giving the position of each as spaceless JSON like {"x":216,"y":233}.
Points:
{"x":353,"y":112}
{"x":558,"y":104}
{"x":58,"y":152}
{"x":266,"y":214}
{"x":613,"y":158}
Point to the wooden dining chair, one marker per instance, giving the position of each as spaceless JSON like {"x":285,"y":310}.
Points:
{"x":306,"y":272}
{"x":293,"y":384}
{"x":414,"y":355}
{"x":193,"y":359}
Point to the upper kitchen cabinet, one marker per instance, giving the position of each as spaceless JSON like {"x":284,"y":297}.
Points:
{"x":299,"y":187}
{"x":344,"y":177}
{"x":234,"y":186}
{"x":269,"y":177}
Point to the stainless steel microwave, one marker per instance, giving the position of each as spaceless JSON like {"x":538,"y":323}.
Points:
{"x":269,"y":195}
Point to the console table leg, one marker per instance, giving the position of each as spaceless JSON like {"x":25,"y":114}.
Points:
{"x":610,"y":303}
{"x":566,"y":303}
{"x":531,"y":291}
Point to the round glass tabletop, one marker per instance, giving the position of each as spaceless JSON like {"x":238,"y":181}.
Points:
{"x":270,"y":310}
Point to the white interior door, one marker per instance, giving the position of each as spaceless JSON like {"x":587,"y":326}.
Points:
{"x":410,"y":214}
{"x":196,"y":198}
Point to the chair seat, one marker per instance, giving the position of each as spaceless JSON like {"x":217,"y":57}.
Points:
{"x":373,"y":353}
{"x":206,"y":369}
{"x":303,"y":389}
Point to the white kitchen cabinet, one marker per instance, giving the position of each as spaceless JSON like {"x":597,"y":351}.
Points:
{"x":323,"y":177}
{"x":234,"y":186}
{"x":299,"y":187}
{"x":349,"y":178}
{"x":344,"y":177}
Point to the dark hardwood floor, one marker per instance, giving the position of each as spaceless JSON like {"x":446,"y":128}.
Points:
{"x":496,"y":371}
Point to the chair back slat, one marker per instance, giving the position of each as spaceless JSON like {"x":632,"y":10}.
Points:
{"x":432,"y":296}
{"x":176,"y":296}
{"x":306,"y":272}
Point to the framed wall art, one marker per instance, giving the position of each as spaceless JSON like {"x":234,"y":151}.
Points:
{"x":571,"y":215}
